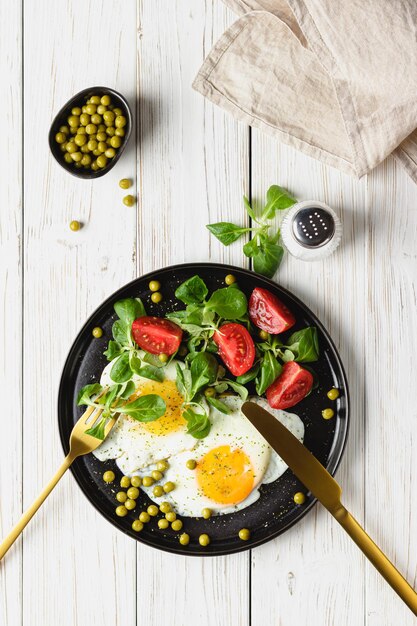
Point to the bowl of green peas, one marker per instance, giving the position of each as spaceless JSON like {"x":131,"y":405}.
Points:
{"x":90,"y":132}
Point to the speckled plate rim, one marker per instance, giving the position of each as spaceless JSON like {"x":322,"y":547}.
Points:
{"x":340,"y":435}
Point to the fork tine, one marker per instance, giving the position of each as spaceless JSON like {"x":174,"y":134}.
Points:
{"x":88,"y":413}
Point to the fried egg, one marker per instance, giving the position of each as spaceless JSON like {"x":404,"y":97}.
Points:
{"x":137,"y":445}
{"x":232,"y":462}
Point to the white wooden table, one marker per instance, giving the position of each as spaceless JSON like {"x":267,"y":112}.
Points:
{"x":191,"y":163}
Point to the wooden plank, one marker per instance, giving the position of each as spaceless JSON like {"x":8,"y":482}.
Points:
{"x":314,"y":573}
{"x":391,"y":412}
{"x":193,"y":164}
{"x":77,"y":568}
{"x":11,"y":317}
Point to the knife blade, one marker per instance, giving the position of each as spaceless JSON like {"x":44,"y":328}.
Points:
{"x":324,"y":487}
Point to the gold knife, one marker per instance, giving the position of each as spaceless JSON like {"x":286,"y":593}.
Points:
{"x":323,"y":486}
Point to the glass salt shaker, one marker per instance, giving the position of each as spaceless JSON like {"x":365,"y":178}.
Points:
{"x":311,"y":230}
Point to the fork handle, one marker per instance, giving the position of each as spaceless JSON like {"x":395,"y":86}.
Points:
{"x":30,"y":512}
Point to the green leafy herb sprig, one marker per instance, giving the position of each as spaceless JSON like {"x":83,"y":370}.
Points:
{"x":264,"y":247}
{"x":128,"y":360}
{"x":201,"y":317}
{"x":146,"y":408}
{"x":199,"y":373}
{"x":302,"y":346}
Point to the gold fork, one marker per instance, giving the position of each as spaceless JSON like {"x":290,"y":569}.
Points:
{"x":80,"y":443}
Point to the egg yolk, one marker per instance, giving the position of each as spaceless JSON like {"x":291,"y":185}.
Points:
{"x":225,"y":476}
{"x":172,"y":420}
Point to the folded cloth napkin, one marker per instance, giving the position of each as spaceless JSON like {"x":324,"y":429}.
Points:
{"x":335,"y":79}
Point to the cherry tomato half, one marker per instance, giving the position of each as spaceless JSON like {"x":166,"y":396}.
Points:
{"x":291,"y":386}
{"x":269,"y":313}
{"x":156,"y":335}
{"x":236,"y":347}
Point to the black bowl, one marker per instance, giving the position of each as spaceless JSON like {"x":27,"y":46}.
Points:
{"x":61,"y":119}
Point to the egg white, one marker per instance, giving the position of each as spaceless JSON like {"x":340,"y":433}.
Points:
{"x":132,"y":444}
{"x":236,"y":431}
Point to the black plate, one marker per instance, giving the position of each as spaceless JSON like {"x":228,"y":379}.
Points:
{"x":275,"y":510}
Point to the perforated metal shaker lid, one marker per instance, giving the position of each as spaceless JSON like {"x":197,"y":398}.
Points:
{"x":313,"y":227}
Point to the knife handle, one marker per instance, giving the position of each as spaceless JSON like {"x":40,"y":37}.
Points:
{"x":377,"y":557}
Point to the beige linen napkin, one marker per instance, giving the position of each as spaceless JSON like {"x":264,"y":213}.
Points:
{"x":335,"y":79}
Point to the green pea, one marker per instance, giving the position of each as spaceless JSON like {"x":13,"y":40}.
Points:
{"x":206,"y":513}
{"x":110,"y":131}
{"x":299,"y":497}
{"x":128,"y":200}
{"x":102,"y":146}
{"x":115,"y":141}
{"x":163,"y":524}
{"x":95,"y":100}
{"x":125,"y":482}
{"x":176,"y":525}
{"x":86,"y":160}
{"x":76,"y":156}
{"x":163,"y":357}
{"x":96,"y":118}
{"x":91,"y":129}
{"x":101,"y":109}
{"x":184,"y":539}
{"x":162,"y":466}
{"x":263,"y":335}
{"x":75,"y":225}
{"x":147,"y":481}
{"x":158,"y":491}
{"x":152,"y":510}
{"x":67,"y":158}
{"x":333,"y":394}
{"x":117,"y":111}
{"x":92,"y":144}
{"x":71,"y":147}
{"x":110,"y":153}
{"x":64,"y":129}
{"x":169,"y":486}
{"x":244,"y":534}
{"x":80,"y":140}
{"x":121,"y":496}
{"x":156,"y":297}
{"x":109,"y":117}
{"x":136,"y":481}
{"x":204,"y":540}
{"x":230,"y":279}
{"x":154,"y":285}
{"x":102,"y":161}
{"x":60,"y":137}
{"x":171,"y":516}
{"x":157,"y":475}
{"x":121,"y":511}
{"x":91,"y":109}
{"x":327,"y":414}
{"x":133,"y":493}
{"x":120,"y":121}
{"x":119,"y":132}
{"x":130,"y":504}
{"x":191,"y":464}
{"x":165,"y":507}
{"x":137,"y":526}
{"x":144,"y":517}
{"x":84,"y":119}
{"x":74,"y":121}
{"x":101,"y":136}
{"x":84,"y":149}
{"x":105,"y":100}
{"x":210,"y":392}
{"x":109,"y":476}
{"x":94,"y":166}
